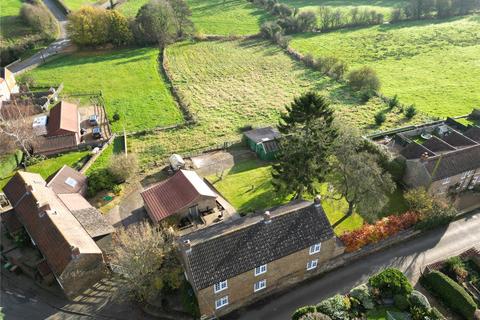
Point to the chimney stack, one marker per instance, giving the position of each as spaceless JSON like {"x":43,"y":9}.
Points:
{"x":75,"y":252}
{"x":187,"y":245}
{"x":317,"y":201}
{"x":267,"y":218}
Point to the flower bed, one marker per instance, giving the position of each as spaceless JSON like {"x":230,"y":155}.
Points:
{"x":382,"y":229}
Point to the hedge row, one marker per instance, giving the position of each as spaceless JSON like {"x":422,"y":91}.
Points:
{"x":451,"y":293}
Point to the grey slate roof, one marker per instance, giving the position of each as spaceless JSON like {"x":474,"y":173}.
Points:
{"x":457,"y":139}
{"x":437,"y":145}
{"x":453,"y":163}
{"x":414,"y":151}
{"x":226,"y":250}
{"x":262,"y":134}
{"x":473,"y":133}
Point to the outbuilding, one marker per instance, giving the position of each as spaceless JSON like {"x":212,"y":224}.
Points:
{"x":264,"y":142}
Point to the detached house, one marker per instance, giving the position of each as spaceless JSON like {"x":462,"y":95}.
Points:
{"x":61,"y":224}
{"x":237,"y":262}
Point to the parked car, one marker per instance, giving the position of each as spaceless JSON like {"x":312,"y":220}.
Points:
{"x":97,"y":133}
{"x":93,"y":120}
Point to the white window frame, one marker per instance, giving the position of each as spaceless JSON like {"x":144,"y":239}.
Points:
{"x":312,"y":264}
{"x":220,"y":286}
{"x":260,"y":285}
{"x":222,"y":302}
{"x":315,"y":248}
{"x":260,"y":270}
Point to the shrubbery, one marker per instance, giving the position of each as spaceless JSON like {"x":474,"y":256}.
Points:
{"x":417,"y":299}
{"x":364,"y":79}
{"x":450,"y":292}
{"x":335,"y":307}
{"x":99,"y":180}
{"x":123,"y":167}
{"x":380,"y":118}
{"x":381,"y":229}
{"x":363,"y":295}
{"x":303,"y":311}
{"x":391,"y":282}
{"x":36,"y":15}
{"x":315,"y":316}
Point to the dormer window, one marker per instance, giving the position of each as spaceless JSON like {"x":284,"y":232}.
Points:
{"x":220,"y":286}
{"x":315,"y":248}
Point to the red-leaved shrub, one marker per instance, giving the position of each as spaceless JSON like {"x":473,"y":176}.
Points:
{"x":384,"y":228}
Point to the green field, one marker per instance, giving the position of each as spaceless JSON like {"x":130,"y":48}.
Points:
{"x":230,"y":84}
{"x":232,"y":17}
{"x":432,"y":64}
{"x":12,"y":28}
{"x":51,"y":165}
{"x":247,"y":186}
{"x":76,"y":4}
{"x":383,"y":6}
{"x":128,"y":78}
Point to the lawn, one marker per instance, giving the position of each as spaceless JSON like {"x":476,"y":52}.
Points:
{"x":248,"y":187}
{"x":76,"y":4}
{"x":103,"y":160}
{"x":426,"y":63}
{"x":230,"y":84}
{"x":383,"y":6}
{"x":51,"y":165}
{"x":220,"y":17}
{"x":129,"y":80}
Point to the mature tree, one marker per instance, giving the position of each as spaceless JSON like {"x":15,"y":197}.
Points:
{"x":308,"y":135}
{"x":156,"y":22}
{"x":182,"y":14}
{"x":357,"y":177}
{"x":16,"y":131}
{"x":119,"y":33}
{"x":143,"y":257}
{"x":88,"y":26}
{"x":306,"y":21}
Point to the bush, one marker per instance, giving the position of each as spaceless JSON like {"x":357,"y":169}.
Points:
{"x":393,"y":102}
{"x":396,"y":168}
{"x":380,"y":118}
{"x":417,"y":299}
{"x":99,"y":180}
{"x":410,"y":112}
{"x":116,"y":116}
{"x":364,"y":79}
{"x":117,"y":189}
{"x":401,"y":302}
{"x":396,"y":15}
{"x":456,"y":267}
{"x":300,"y":312}
{"x":450,"y":292}
{"x":39,"y":18}
{"x":391,"y":282}
{"x":440,"y":214}
{"x":362,"y":294}
{"x":281,"y":10}
{"x":123,"y":167}
{"x":315,"y":316}
{"x":371,"y":233}
{"x":335,"y":307}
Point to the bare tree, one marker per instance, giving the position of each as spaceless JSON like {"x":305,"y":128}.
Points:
{"x":143,"y":256}
{"x":16,"y":130}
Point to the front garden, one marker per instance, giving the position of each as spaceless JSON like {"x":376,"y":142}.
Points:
{"x":455,"y":282}
{"x":387,"y":295}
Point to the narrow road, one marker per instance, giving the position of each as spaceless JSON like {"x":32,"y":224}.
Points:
{"x":54,"y":48}
{"x":410,"y":257}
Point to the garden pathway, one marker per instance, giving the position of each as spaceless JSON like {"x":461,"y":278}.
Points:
{"x":410,"y":257}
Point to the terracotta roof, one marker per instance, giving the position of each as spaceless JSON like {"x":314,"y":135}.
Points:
{"x":174,"y":194}
{"x":229,"y":249}
{"x":414,"y":151}
{"x":68,"y":180}
{"x":63,"y":118}
{"x":262,"y":134}
{"x":55,"y":231}
{"x":90,"y":218}
{"x":453,"y":163}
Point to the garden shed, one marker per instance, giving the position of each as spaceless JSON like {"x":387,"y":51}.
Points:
{"x":263,"y":141}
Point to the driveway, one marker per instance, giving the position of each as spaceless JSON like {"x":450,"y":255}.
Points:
{"x":410,"y":257}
